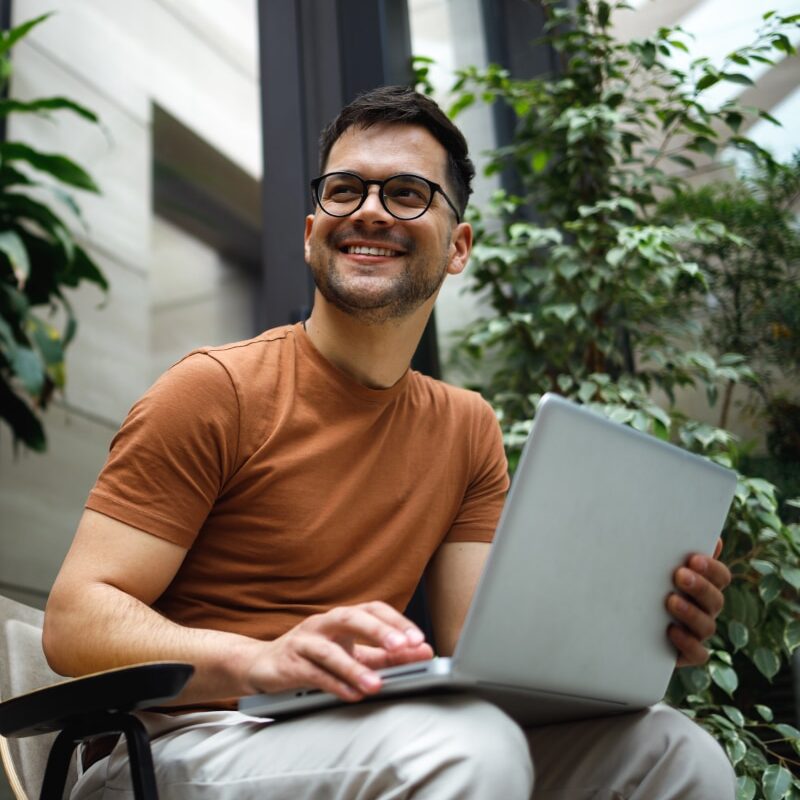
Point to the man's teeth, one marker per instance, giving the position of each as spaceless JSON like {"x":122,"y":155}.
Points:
{"x":369,"y":251}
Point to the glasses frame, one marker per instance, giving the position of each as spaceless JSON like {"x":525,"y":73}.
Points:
{"x":434,"y":187}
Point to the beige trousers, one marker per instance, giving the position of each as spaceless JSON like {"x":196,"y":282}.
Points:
{"x":423,"y":748}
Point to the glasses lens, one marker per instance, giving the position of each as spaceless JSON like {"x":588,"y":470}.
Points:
{"x":406,"y":196}
{"x":339,"y":193}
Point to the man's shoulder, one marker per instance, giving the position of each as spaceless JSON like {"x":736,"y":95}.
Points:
{"x":265,"y":345}
{"x":242,"y":361}
{"x":439,"y":393}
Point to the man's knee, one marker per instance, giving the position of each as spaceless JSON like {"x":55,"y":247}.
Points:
{"x":689,"y":750}
{"x":459,"y":747}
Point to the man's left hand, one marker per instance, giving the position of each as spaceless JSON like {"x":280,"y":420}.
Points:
{"x":696,"y":605}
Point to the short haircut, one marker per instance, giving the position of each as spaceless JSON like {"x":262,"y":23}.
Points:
{"x":401,"y":105}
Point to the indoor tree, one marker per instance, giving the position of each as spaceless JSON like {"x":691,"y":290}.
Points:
{"x":40,"y":259}
{"x":586,"y":278}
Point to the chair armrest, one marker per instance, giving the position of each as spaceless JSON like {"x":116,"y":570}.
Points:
{"x":118,"y":690}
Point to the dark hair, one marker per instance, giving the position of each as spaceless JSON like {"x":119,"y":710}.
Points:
{"x":401,"y":105}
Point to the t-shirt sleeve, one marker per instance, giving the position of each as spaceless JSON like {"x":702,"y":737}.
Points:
{"x":483,"y":501}
{"x":174,"y":452}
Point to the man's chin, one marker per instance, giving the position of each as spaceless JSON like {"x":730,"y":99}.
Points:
{"x":373,"y":312}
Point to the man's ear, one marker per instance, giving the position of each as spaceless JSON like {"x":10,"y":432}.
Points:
{"x":460,"y":248}
{"x":307,"y":235}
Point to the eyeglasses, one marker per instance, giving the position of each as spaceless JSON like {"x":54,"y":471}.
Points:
{"x":405,"y":197}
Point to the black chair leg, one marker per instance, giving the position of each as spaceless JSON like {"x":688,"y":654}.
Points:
{"x":140,"y":759}
{"x":139,"y":756}
{"x":55,"y":773}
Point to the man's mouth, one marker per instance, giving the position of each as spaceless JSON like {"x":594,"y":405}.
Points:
{"x":364,"y":250}
{"x":355,"y":243}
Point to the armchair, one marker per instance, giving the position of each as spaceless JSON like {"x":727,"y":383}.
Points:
{"x":43,"y":716}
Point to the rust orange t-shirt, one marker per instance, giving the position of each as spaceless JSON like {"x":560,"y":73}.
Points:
{"x":296,"y":489}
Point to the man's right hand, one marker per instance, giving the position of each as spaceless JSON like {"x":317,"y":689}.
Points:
{"x":338,"y":651}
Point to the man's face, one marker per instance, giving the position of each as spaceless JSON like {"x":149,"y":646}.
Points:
{"x":369,"y":264}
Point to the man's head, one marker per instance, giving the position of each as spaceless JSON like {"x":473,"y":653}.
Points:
{"x":403,"y":106}
{"x":386,"y":229}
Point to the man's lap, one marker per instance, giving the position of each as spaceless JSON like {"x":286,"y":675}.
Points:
{"x":371,"y":750}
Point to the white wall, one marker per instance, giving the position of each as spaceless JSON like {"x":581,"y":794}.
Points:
{"x":198,"y":61}
{"x":451,"y":32}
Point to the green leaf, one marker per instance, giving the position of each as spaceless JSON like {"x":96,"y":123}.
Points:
{"x":46,"y":104}
{"x":769,"y":118}
{"x":587,"y":391}
{"x":775,"y":781}
{"x":603,"y":13}
{"x":737,"y":77}
{"x":791,"y":575}
{"x":703,"y":144}
{"x":17,"y":254}
{"x":745,"y":788}
{"x":464,"y":101}
{"x":27,"y":366}
{"x":736,"y":749}
{"x":767,"y":662}
{"x":769,"y":588}
{"x":13,"y":177}
{"x":615,"y":256}
{"x":20,"y":205}
{"x":765,"y":712}
{"x":24,"y":423}
{"x":85,"y":268}
{"x":48,"y":340}
{"x":8,"y":40}
{"x":565,"y":383}
{"x":791,"y":636}
{"x":789,"y":731}
{"x":695,"y":679}
{"x":734,"y":715}
{"x":539,"y":160}
{"x":738,"y":634}
{"x":763,"y":567}
{"x":60,"y":167}
{"x":723,"y":676}
{"x":564,"y":311}
{"x":682,"y":160}
{"x":568,"y":270}
{"x":734,"y":120}
{"x":709,"y":79}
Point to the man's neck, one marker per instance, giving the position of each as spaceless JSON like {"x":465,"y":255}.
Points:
{"x":375,"y":355}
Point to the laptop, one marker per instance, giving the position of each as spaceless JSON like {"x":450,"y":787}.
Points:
{"x":568,"y":619}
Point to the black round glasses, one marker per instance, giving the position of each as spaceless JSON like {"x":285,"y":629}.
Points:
{"x":405,"y":197}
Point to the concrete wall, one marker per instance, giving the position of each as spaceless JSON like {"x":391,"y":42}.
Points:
{"x":169,"y":293}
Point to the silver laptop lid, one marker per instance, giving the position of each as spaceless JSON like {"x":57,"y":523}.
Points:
{"x":598,"y":517}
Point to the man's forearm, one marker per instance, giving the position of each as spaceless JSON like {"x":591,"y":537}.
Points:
{"x":102,"y":627}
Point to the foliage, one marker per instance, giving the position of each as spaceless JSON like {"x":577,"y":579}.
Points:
{"x":753,"y":299}
{"x":592,"y":294}
{"x":40,"y":258}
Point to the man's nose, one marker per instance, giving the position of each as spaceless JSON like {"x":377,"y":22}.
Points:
{"x":372,"y":209}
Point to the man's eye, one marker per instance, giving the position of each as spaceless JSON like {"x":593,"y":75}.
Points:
{"x":408,"y":194}
{"x":341,"y":191}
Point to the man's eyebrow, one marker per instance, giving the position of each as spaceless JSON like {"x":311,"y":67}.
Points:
{"x":345,"y":169}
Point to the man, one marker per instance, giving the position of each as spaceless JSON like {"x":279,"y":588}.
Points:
{"x":268,"y":507}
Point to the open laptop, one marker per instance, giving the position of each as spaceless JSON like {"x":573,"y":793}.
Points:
{"x":568,"y":620}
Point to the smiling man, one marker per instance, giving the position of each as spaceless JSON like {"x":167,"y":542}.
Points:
{"x":269,"y":506}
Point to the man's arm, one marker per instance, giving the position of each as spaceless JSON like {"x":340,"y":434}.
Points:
{"x":450,"y":580}
{"x":454,"y":571}
{"x":99,"y":617}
